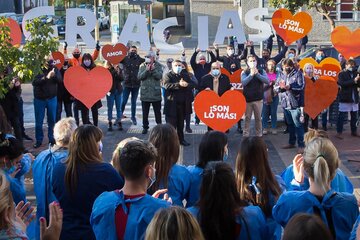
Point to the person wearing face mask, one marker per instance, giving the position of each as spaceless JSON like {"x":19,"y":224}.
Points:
{"x":342,"y":61}
{"x":125,"y":213}
{"x":291,"y":53}
{"x":150,"y":74}
{"x":45,"y":97}
{"x":88,"y":64}
{"x":290,"y":85}
{"x":271,"y":99}
{"x":266,"y":56}
{"x":131,"y":83}
{"x":253,"y":80}
{"x":349,"y":82}
{"x":176,"y":83}
{"x":231,"y":57}
{"x":63,"y":95}
{"x":76,"y":60}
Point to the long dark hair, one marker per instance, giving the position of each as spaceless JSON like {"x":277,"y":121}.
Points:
{"x":219,"y":202}
{"x":166,"y":142}
{"x":85,"y":57}
{"x":211,"y":147}
{"x":83,"y":150}
{"x":252,"y":160}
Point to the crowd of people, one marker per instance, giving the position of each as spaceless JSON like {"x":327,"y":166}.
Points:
{"x":144,"y":193}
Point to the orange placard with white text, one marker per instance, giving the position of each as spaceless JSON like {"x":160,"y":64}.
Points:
{"x":114,"y":54}
{"x":235,"y":78}
{"x":329,"y":67}
{"x":346,"y":42}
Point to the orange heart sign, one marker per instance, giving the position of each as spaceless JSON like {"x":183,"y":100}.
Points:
{"x":15,"y":31}
{"x":59,"y":59}
{"x":88,"y":86}
{"x":346,"y":42}
{"x":114,"y":54}
{"x":329,"y":67}
{"x":291,"y":27}
{"x":220,"y":113}
{"x":235,"y":78}
{"x":319,"y":95}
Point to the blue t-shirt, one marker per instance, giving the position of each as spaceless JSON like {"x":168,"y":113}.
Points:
{"x":93,"y":180}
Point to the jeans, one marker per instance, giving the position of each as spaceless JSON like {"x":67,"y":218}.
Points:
{"x":114,"y":97}
{"x":272,"y":110}
{"x":340,"y":121}
{"x":295,"y":127}
{"x":134,"y":94}
{"x":145,"y":112}
{"x":39,"y":106}
{"x":251,"y":107}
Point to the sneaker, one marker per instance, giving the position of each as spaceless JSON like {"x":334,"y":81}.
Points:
{"x":144,"y":131}
{"x":265,"y":131}
{"x":26,"y":137}
{"x":197,"y":123}
{"x":188,"y":130}
{"x":184,"y":143}
{"x":37,"y":145}
{"x":286,"y":131}
{"x":120,"y":126}
{"x":339,"y":136}
{"x":134,"y":121}
{"x":289,"y":146}
{"x":110,"y":127}
{"x":274,"y":131}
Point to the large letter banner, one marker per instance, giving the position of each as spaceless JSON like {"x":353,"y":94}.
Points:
{"x":329,"y":67}
{"x":38,"y":12}
{"x":158,"y":36}
{"x":235,"y":78}
{"x":289,"y":27}
{"x":223,"y":31}
{"x":15,"y":31}
{"x":114,"y":54}
{"x":220,"y":113}
{"x":346,"y":42}
{"x":88,"y":86}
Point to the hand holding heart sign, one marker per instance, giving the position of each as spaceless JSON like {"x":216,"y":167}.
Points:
{"x":235,"y":78}
{"x":289,"y":27}
{"x":346,"y":42}
{"x":88,"y":86}
{"x":220,"y":113}
{"x":114,"y":54}
{"x":15,"y":31}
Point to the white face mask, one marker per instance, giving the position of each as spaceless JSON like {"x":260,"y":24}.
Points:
{"x":230,"y":52}
{"x":252,"y":64}
{"x":309,"y":70}
{"x":87,"y":63}
{"x":147,"y":60}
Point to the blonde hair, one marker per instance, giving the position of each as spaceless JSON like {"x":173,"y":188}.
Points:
{"x":173,"y":223}
{"x":6,"y":203}
{"x":308,"y":64}
{"x":115,"y":161}
{"x":63,"y":130}
{"x":321,"y":160}
{"x":314,"y":133}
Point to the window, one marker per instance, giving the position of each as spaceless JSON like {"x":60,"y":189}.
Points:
{"x":343,"y":11}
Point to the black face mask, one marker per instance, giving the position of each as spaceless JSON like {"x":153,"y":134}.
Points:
{"x":76,"y":55}
{"x":288,"y":69}
{"x":132,"y":54}
{"x":233,"y":69}
{"x":266,"y":57}
{"x":50,"y":64}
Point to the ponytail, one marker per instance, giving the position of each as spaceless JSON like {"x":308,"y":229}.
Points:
{"x":321,"y":174}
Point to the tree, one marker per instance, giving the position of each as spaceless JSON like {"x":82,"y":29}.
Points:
{"x":323,"y":7}
{"x":27,"y":61}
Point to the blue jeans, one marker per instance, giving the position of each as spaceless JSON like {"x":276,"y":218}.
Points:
{"x":125,"y":96}
{"x":295,"y":127}
{"x":114,"y":97}
{"x":39,"y":106}
{"x":340,"y":121}
{"x":272,"y":110}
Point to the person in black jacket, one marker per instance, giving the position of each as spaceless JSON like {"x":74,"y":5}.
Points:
{"x":45,"y":97}
{"x":114,"y":95}
{"x":253,"y":80}
{"x":265,"y":56}
{"x":176,"y":83}
{"x":349,"y":81}
{"x":63,"y":95}
{"x":131,"y":83}
{"x":231,"y":57}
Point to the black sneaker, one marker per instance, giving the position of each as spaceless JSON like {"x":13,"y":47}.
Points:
{"x":120,"y":126}
{"x":134,"y":121}
{"x":144,"y":131}
{"x":189,"y":130}
{"x":184,"y":143}
{"x":26,"y":137}
{"x":37,"y":145}
{"x":110,"y":127}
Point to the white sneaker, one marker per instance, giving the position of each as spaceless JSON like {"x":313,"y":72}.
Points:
{"x":265,"y":131}
{"x":273,"y":131}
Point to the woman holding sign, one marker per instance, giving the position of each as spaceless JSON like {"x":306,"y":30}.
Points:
{"x":309,"y":74}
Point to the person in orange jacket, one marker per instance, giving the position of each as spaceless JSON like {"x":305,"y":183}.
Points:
{"x":77,"y":58}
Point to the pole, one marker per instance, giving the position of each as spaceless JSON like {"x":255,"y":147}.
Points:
{"x":261,"y":5}
{"x":97,"y":22}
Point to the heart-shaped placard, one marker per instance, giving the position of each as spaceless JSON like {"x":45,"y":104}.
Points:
{"x":88,"y":86}
{"x":220,"y":113}
{"x":59,"y":59}
{"x":329,"y":67}
{"x":346,"y":41}
{"x":235,"y":78}
{"x":291,"y":27}
{"x":114,"y":54}
{"x":319,"y":95}
{"x":15,"y":31}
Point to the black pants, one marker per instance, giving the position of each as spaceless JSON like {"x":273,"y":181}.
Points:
{"x":314,"y":122}
{"x":21,"y":116}
{"x":178,"y":122}
{"x":85,"y":115}
{"x":145,"y":112}
{"x":67,"y":107}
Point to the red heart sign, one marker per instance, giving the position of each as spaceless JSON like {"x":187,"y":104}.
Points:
{"x":291,"y":27}
{"x":15,"y":31}
{"x":220,"y":113}
{"x":235,"y":78}
{"x":114,"y":54}
{"x":319,"y":95}
{"x":346,"y":42}
{"x":88,"y":86}
{"x":59,"y":59}
{"x":329,"y":67}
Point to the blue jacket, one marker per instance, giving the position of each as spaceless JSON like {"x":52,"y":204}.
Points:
{"x":196,"y":178}
{"x":353,"y":232}
{"x":142,"y":210}
{"x":340,"y":183}
{"x":251,"y":219}
{"x":179,"y":182}
{"x":42,"y":173}
{"x":342,"y":206}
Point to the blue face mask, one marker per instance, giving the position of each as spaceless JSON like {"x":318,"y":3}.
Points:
{"x":319,"y":58}
{"x":215,"y":72}
{"x":291,"y":55}
{"x":152,"y":179}
{"x":177,"y":69}
{"x":11,"y":170}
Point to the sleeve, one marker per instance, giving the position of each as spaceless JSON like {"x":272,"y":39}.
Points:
{"x":95,"y":54}
{"x":244,"y":54}
{"x":281,"y":55}
{"x":299,"y":84}
{"x":157,"y":72}
{"x":228,"y":84}
{"x":186,"y":76}
{"x":263,"y":77}
{"x":169,"y":85}
{"x":143,"y":73}
{"x":39,"y":80}
{"x":343,"y":81}
{"x":245,"y":79}
{"x":280,"y":211}
{"x":353,"y":232}
{"x":252,"y":52}
{"x":202,"y":84}
{"x":212,"y":57}
{"x":193,"y":60}
{"x":221,"y":59}
{"x":58,"y":77}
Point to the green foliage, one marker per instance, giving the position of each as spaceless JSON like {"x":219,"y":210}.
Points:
{"x":27,"y":61}
{"x":294,"y":5}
